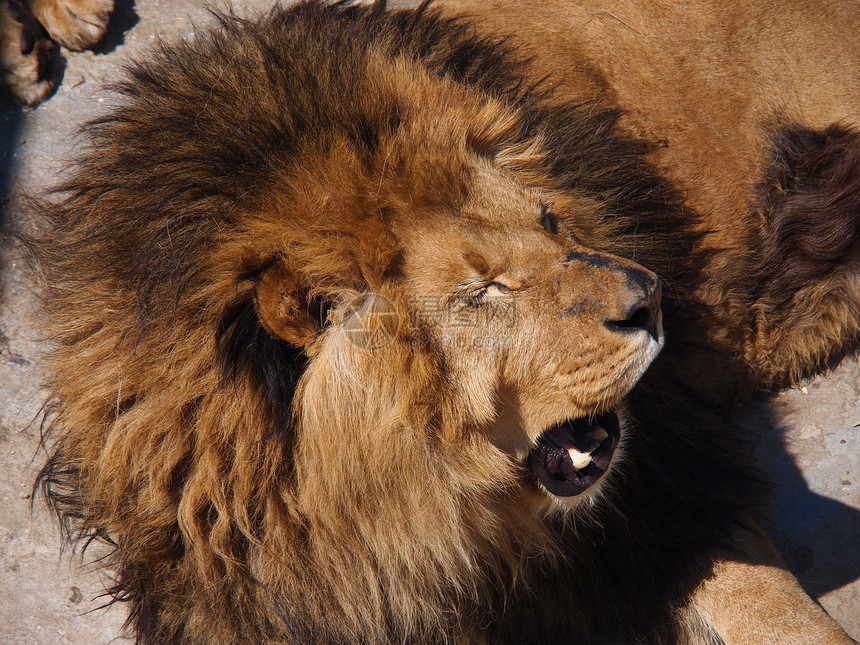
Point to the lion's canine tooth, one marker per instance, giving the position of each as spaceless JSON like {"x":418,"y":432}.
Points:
{"x":599,"y":434}
{"x":580,"y":460}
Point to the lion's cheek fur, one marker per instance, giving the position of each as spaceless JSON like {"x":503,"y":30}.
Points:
{"x":361,"y":433}
{"x":587,"y":368}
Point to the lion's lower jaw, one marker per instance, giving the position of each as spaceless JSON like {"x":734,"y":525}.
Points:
{"x":578,"y":506}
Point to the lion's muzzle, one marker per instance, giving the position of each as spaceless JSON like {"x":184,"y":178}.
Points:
{"x":638,"y":292}
{"x":644,"y":311}
{"x":612,"y":296}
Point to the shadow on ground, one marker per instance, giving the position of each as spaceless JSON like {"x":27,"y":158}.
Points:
{"x":10,"y":132}
{"x":817,"y":535}
{"x":123,"y":18}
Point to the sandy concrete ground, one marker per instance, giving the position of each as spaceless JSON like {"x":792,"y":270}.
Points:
{"x":807,"y":438}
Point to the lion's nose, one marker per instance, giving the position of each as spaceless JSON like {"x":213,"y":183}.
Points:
{"x":643,"y":313}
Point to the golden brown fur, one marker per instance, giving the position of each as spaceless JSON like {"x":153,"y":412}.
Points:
{"x":325,"y":280}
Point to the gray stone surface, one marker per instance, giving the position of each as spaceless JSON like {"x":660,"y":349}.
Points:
{"x":808,"y":443}
{"x":806,"y":438}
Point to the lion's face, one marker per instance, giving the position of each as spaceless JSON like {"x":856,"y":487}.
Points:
{"x":541,"y":334}
{"x":468,"y":259}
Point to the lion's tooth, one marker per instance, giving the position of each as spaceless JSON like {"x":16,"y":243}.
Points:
{"x":580,"y":460}
{"x":599,"y":434}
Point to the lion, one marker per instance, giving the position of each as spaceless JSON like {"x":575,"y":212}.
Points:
{"x":29,"y":34}
{"x":401,"y":326}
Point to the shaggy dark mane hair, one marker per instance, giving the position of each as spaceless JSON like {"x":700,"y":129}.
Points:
{"x":175,"y":433}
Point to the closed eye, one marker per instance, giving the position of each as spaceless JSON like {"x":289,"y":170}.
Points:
{"x":487,"y":292}
{"x":548,"y":221}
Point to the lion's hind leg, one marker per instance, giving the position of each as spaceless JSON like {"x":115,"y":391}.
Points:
{"x":749,"y":593}
{"x":799,"y":290}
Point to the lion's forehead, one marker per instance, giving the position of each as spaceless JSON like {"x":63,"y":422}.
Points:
{"x":453,"y":254}
{"x":495,"y":228}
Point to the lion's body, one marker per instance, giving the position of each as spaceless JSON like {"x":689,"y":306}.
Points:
{"x":267,"y":473}
{"x":729,"y":94}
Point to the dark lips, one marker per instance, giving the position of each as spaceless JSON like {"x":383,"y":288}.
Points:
{"x":550,"y":461}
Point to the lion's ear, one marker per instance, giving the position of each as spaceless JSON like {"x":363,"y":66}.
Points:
{"x":284,"y":309}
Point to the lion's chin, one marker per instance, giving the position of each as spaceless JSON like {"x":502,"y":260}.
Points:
{"x":571,"y":457}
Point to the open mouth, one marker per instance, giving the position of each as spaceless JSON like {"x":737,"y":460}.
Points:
{"x":572,"y":456}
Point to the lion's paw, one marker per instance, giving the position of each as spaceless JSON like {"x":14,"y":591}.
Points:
{"x":75,"y":24}
{"x":27,"y":70}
